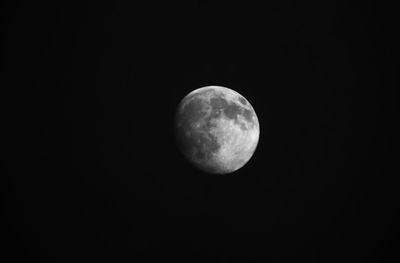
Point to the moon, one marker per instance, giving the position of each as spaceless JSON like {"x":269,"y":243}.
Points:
{"x":217,"y":129}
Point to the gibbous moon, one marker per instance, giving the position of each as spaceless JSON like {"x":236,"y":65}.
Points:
{"x":217,"y":129}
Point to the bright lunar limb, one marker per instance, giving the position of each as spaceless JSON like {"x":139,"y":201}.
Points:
{"x":217,"y":129}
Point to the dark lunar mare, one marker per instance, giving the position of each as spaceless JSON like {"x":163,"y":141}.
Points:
{"x":230,"y":109}
{"x":242,"y":100}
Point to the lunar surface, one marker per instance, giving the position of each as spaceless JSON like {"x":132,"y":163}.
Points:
{"x":217,"y":129}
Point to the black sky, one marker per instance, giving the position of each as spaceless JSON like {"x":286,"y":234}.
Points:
{"x":93,"y":172}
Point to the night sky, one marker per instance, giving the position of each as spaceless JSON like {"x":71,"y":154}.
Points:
{"x":93,"y":173}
